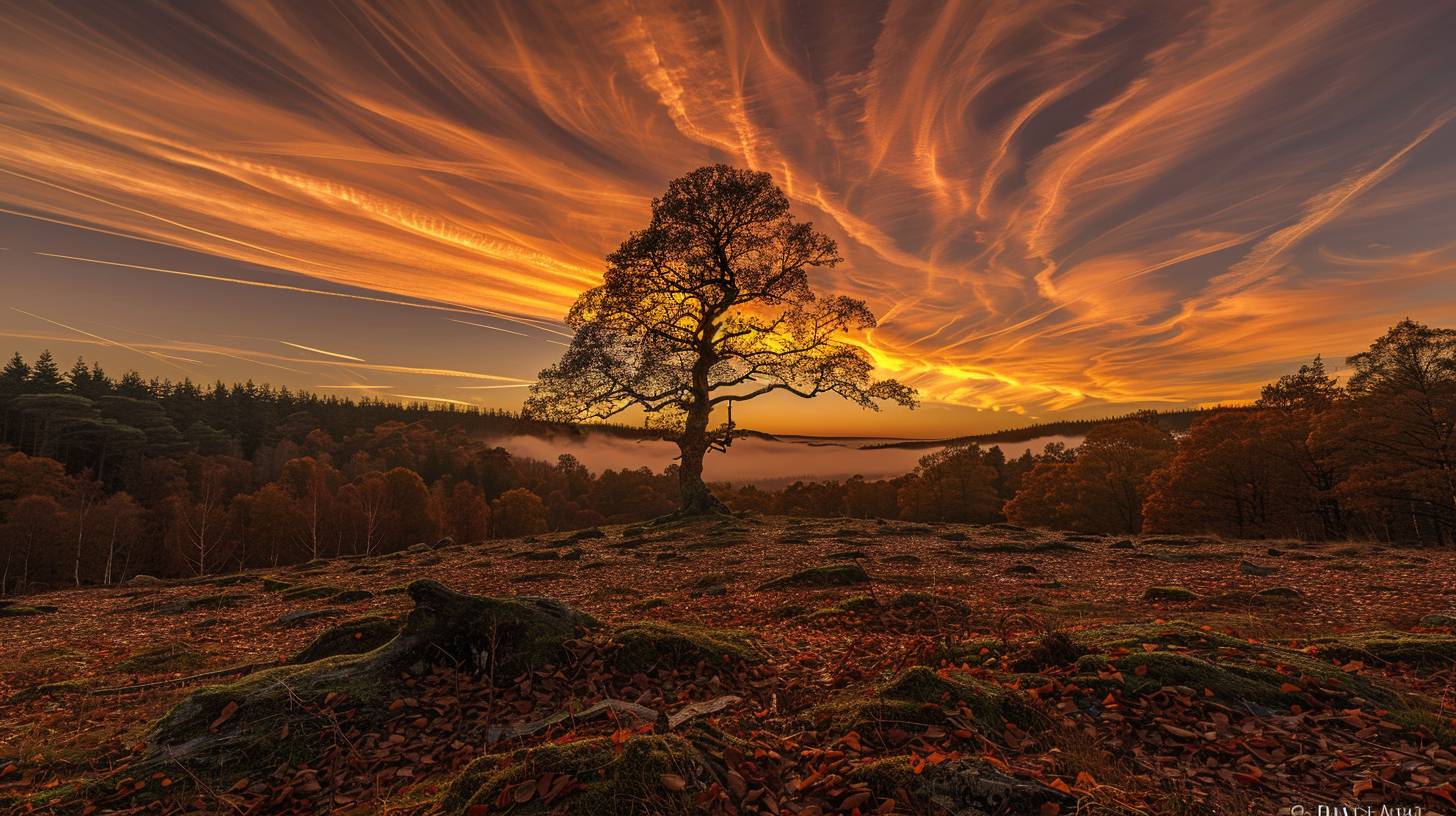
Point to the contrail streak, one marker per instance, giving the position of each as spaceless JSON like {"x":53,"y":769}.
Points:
{"x":284,"y":287}
{"x":104,"y":340}
{"x":321,"y":351}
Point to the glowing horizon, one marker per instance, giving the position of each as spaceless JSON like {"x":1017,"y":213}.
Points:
{"x":1055,"y":210}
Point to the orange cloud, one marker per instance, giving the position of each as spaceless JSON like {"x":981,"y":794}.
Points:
{"x":1053,"y":206}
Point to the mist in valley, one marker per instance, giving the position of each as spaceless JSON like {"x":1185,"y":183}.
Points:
{"x":763,"y":462}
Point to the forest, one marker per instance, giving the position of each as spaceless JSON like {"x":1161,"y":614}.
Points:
{"x":103,"y":479}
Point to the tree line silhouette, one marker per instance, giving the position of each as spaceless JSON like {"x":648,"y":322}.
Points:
{"x":1374,"y":458}
{"x":103,"y":479}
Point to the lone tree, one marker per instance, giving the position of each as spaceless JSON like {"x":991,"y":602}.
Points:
{"x":708,"y":306}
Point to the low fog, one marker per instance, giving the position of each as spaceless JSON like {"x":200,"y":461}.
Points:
{"x":756,"y":461}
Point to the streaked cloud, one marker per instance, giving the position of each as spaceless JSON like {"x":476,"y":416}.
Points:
{"x":1055,"y":207}
{"x":321,"y":351}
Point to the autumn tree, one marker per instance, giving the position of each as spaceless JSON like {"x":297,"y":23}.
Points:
{"x":707,"y":306}
{"x":35,"y":522}
{"x":1396,"y":434}
{"x":955,"y":484}
{"x":466,"y":514}
{"x":517,"y":512}
{"x":1223,"y":479}
{"x":1309,"y":388}
{"x":198,"y":517}
{"x":270,"y":523}
{"x":1102,"y":489}
{"x":312,"y":484}
{"x":407,"y":518}
{"x":119,"y":523}
{"x":366,"y":503}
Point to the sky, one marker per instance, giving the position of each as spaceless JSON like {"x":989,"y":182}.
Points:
{"x":1057,"y":210}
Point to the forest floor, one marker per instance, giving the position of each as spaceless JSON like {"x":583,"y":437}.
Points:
{"x":957,"y":669}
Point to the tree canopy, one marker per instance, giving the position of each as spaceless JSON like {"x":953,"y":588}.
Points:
{"x":709,"y":305}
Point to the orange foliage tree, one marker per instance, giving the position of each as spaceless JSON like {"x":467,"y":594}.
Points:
{"x":1102,"y":489}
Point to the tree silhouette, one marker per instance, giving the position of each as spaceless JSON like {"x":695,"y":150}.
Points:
{"x":708,"y":306}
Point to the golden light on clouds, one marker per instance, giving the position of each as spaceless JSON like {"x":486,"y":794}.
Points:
{"x":1052,"y":206}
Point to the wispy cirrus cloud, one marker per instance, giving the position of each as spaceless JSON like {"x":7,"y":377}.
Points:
{"x":1054,"y":206}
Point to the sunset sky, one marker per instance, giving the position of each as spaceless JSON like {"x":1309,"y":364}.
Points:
{"x":1056,"y":209}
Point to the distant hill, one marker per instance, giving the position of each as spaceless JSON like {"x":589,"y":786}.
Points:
{"x":1172,"y":421}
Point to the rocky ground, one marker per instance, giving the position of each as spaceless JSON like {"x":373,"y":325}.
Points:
{"x":749,"y":666}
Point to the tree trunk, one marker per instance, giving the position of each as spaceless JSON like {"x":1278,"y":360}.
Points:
{"x":696,"y":499}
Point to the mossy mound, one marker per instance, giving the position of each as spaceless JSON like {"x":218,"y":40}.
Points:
{"x":310,"y":592}
{"x":228,"y":731}
{"x":23,"y":611}
{"x":60,"y":688}
{"x":868,"y":604}
{"x":348,"y":638}
{"x":853,"y":605}
{"x":921,"y":696}
{"x":352,"y":596}
{"x":1279,"y":593}
{"x":183,"y":605}
{"x":642,"y":647}
{"x":829,"y":575}
{"x":973,"y":652}
{"x":1228,"y":681}
{"x":1170,"y":593}
{"x":1234,"y":670}
{"x":274,"y":584}
{"x":963,"y":787}
{"x":299,"y":616}
{"x":1426,"y":650}
{"x":168,"y":657}
{"x":645,"y":776}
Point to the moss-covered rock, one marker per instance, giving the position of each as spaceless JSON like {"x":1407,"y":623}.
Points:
{"x":853,"y":605}
{"x":180,"y":606}
{"x":167,"y":657}
{"x":348,"y":638}
{"x":25,"y":611}
{"x":829,"y":575}
{"x":310,"y":592}
{"x":868,"y":604}
{"x":227,"y":731}
{"x":1170,"y":593}
{"x":642,"y":647}
{"x":961,"y":787}
{"x":645,"y":776}
{"x":60,"y":688}
{"x":1279,"y":593}
{"x":1229,"y":681}
{"x":352,"y":596}
{"x":1428,"y":650}
{"x":274,"y":584}
{"x":921,"y":696}
{"x":1235,"y":670}
{"x":299,"y":616}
